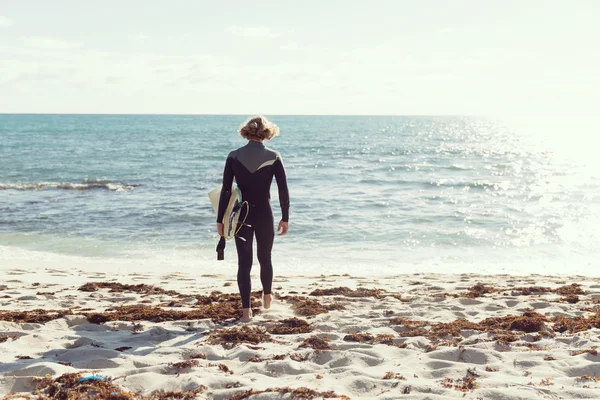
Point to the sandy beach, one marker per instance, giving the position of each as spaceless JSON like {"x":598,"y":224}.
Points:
{"x":176,"y":334}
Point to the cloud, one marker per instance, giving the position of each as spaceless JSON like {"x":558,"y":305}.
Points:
{"x":48,"y":43}
{"x":5,"y":21}
{"x":251,"y":31}
{"x":139,"y":37}
{"x":295,"y":47}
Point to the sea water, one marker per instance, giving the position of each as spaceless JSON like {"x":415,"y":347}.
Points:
{"x":369,"y":195}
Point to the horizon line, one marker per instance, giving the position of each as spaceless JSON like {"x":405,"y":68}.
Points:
{"x":236,"y":114}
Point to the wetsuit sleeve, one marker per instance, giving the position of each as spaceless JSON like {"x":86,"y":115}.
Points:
{"x":226,"y":190}
{"x":284,"y":196}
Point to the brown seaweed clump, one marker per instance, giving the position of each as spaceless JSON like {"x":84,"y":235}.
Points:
{"x":593,"y":352}
{"x":115,"y":287}
{"x":317,"y":343}
{"x":305,"y":306}
{"x":479,"y":290}
{"x":68,"y":386}
{"x":37,"y":316}
{"x":588,"y":378}
{"x":528,"y":322}
{"x":465,"y":384}
{"x":359,"y":337}
{"x":572,"y":289}
{"x":570,"y":298}
{"x":335,"y":307}
{"x":344,"y":291}
{"x":291,"y":326}
{"x":296,"y":393}
{"x":142,"y":312}
{"x":184,"y":365}
{"x":576,"y":324}
{"x":237,"y":336}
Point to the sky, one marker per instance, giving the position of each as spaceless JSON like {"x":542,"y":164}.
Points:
{"x":377,"y":57}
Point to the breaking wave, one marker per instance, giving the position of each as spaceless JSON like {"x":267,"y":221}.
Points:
{"x":86,"y":185}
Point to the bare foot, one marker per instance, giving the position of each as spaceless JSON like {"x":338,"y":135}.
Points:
{"x":267,"y":299}
{"x":246,"y":314}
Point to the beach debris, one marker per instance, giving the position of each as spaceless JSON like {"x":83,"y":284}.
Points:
{"x":299,"y":357}
{"x":37,"y":316}
{"x":140,"y":288}
{"x":237,"y":336}
{"x":91,"y":378}
{"x":291,"y":326}
{"x":465,"y":384}
{"x":502,"y":327}
{"x":184,"y":365}
{"x":390,"y":375}
{"x":335,"y":307}
{"x":479,"y":290}
{"x":359,"y":337}
{"x":74,"y":386}
{"x":593,"y":352}
{"x":387,"y":339}
{"x":317,"y":343}
{"x":142,"y":312}
{"x":225,"y":369}
{"x":588,"y":378}
{"x":305,"y":306}
{"x":295,"y":393}
{"x":570,"y":298}
{"x":344,"y":291}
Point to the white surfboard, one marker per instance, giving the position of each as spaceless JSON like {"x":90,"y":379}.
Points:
{"x":232,"y":214}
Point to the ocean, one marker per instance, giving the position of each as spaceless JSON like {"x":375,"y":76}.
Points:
{"x":370,"y":195}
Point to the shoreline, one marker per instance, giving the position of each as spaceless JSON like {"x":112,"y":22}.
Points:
{"x":199,"y":263}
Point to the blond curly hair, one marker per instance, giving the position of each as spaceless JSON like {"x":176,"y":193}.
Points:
{"x":259,"y":128}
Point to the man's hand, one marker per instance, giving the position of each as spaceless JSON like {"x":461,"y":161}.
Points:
{"x":220,"y":228}
{"x":282,"y":228}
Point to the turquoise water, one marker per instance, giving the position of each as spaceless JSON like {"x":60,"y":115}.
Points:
{"x":395,"y":190}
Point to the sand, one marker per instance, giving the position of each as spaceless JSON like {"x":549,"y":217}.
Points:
{"x":419,"y":336}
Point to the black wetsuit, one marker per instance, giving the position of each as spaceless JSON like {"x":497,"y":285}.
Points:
{"x":253,"y":167}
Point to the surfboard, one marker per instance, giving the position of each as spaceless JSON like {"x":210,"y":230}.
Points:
{"x":232,"y":212}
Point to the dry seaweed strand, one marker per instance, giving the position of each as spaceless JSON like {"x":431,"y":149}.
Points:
{"x":115,"y":287}
{"x":291,"y":326}
{"x":67,"y":386}
{"x":305,"y":306}
{"x":296,"y":393}
{"x":317,"y":343}
{"x":236,"y":336}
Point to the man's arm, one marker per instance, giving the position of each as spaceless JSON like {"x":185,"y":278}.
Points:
{"x":226,"y":190}
{"x":284,"y":196}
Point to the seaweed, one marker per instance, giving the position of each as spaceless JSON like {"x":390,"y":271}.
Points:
{"x":69,"y":386}
{"x":291,"y":326}
{"x":317,"y":343}
{"x":237,"y":336}
{"x":305,"y":306}
{"x":114,"y":287}
{"x":296,"y":393}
